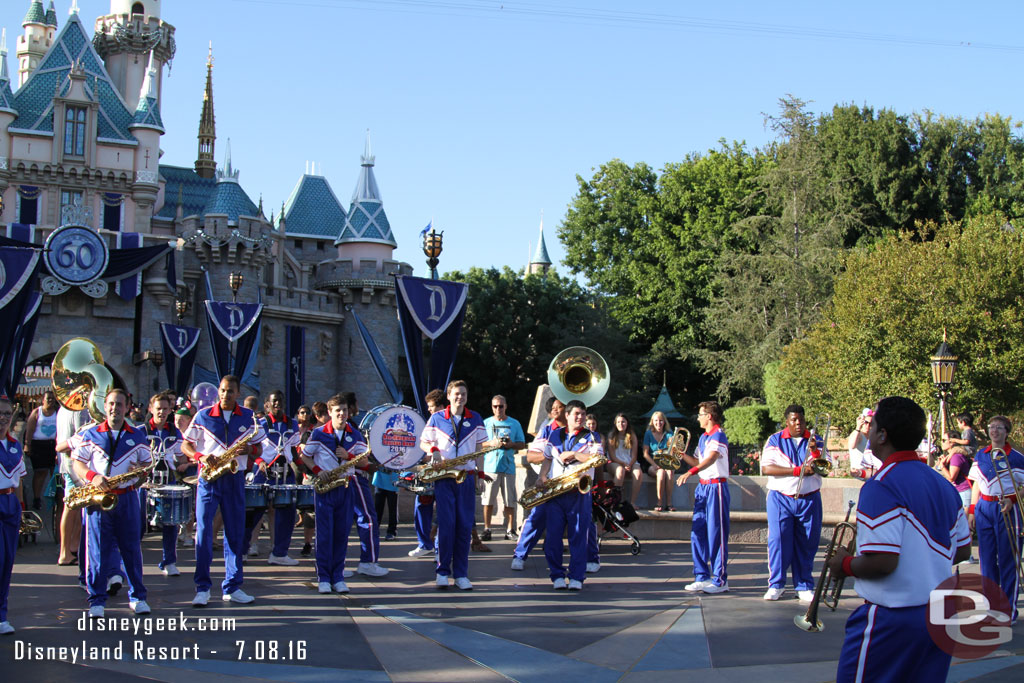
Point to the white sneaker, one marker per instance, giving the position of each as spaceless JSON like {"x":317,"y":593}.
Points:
{"x":774,"y":593}
{"x":340,"y":587}
{"x":441,"y":581}
{"x":239,"y":596}
{"x":253,"y":551}
{"x":323,"y":587}
{"x":805,"y":596}
{"x":6,"y":628}
{"x":114,"y":584}
{"x":284,"y":560}
{"x":709,"y":587}
{"x":187,"y":541}
{"x":96,"y":612}
{"x":171,"y":570}
{"x":593,"y":567}
{"x":371,"y":569}
{"x":517,"y":564}
{"x":140,"y":607}
{"x":575,"y":585}
{"x":696,"y":586}
{"x":420,"y":551}
{"x":559,"y":584}
{"x":201,"y":598}
{"x":463,"y":584}
{"x":348,"y":573}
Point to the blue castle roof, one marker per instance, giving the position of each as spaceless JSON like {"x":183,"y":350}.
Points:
{"x":35,"y":14}
{"x":6,"y":95}
{"x":229,"y":198}
{"x":313,"y":209}
{"x":51,"y":15}
{"x":366,"y":220}
{"x":186,"y":184}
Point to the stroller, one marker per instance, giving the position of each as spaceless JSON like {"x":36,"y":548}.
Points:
{"x":614,"y":514}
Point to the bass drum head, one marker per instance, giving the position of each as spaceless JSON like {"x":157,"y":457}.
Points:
{"x":393,"y":435}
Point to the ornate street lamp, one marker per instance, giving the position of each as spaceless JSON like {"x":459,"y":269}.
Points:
{"x":235,"y":281}
{"x":943,"y":363}
{"x":432,"y":250}
{"x":181,"y":308}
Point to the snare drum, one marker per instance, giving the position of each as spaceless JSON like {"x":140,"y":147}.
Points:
{"x":282,"y":495}
{"x":305,"y":497}
{"x":255,"y":496}
{"x":170,"y":504}
{"x":393,"y":434}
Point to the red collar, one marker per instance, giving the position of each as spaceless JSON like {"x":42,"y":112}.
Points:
{"x":273,"y":420}
{"x":901,"y":456}
{"x":215,"y":411}
{"x":167,"y":425}
{"x":466,"y":413}
{"x":714,"y":428}
{"x":1006,"y":447}
{"x":104,"y":427}
{"x":329,"y":428}
{"x":787,"y":435}
{"x":11,"y":438}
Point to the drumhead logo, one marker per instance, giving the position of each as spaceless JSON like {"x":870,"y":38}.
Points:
{"x":969,"y":616}
{"x":399,"y":433}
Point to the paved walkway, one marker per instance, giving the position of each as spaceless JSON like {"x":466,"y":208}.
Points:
{"x":632,"y":622}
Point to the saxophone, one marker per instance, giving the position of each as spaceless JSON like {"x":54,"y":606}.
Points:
{"x":332,"y":479}
{"x":218,"y":465}
{"x":83,"y":496}
{"x":445,"y":469}
{"x":574,"y":480}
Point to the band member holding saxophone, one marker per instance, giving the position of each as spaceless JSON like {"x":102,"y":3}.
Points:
{"x":709,"y":534}
{"x":454,"y":432}
{"x":537,"y":520}
{"x":213,"y":432}
{"x":911,"y":529}
{"x":107,"y":450}
{"x":12,"y":469}
{"x":564,"y":449}
{"x":794,"y":505}
{"x":329,"y":446}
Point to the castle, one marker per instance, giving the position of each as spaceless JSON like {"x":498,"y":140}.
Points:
{"x":80,"y":139}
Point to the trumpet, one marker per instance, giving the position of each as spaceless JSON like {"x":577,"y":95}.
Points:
{"x":1008,"y":500}
{"x":829,"y":586}
{"x":820,"y":465}
{"x":672,"y":457}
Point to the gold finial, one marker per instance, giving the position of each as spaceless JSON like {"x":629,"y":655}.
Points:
{"x":209,"y":57}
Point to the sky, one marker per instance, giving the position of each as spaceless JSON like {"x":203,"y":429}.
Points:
{"x":482,"y":113}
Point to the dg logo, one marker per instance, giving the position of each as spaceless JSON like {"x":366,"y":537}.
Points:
{"x":969,"y":616}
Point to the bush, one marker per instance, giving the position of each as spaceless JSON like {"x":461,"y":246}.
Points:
{"x":748,"y":425}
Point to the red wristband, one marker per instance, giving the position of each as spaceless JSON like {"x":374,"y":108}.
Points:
{"x":90,"y":475}
{"x":434,"y":449}
{"x":694,"y":470}
{"x":848,"y":565}
{"x":316,"y":470}
{"x":796,"y":471}
{"x":257,"y":462}
{"x":970,"y":509}
{"x":198,"y":456}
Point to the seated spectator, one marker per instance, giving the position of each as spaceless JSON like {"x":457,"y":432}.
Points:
{"x":622,"y":450}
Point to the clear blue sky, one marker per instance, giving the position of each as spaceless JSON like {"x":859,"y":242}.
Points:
{"x":483,"y":113}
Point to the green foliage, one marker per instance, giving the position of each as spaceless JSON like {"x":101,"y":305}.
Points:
{"x":748,"y":425}
{"x":774,"y":393}
{"x":891,"y":304}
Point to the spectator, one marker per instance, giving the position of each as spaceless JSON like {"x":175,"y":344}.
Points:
{"x":622,"y":450}
{"x":863,"y":463}
{"x":968,"y":439}
{"x":40,"y":444}
{"x":954,"y":466}
{"x":656,"y":439}
{"x":386,"y":493}
{"x":500,"y":467}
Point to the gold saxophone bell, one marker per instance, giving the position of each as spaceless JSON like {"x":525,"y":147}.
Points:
{"x":579,"y":373}
{"x":79,"y":377}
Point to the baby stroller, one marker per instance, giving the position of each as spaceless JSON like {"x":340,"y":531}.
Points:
{"x":614,"y":514}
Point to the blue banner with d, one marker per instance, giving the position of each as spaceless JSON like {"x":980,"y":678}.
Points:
{"x":232,"y":323}
{"x":180,"y":343}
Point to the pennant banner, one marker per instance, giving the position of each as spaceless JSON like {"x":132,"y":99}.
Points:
{"x":432,"y":304}
{"x":180,"y":344}
{"x":295,"y":372}
{"x":22,"y":232}
{"x":230,"y":323}
{"x":23,"y":341}
{"x":378,"y":360}
{"x":130,"y":287}
{"x":19,"y":270}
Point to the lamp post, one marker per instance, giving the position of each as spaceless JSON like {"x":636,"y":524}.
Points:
{"x":235,"y":281}
{"x":943,"y":363}
{"x":432,"y":250}
{"x":180,"y":308}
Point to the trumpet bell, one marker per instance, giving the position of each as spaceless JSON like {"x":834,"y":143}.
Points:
{"x":805,"y":624}
{"x":579,"y":373}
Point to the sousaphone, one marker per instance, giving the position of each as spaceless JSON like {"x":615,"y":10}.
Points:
{"x":579,"y":373}
{"x":79,"y":377}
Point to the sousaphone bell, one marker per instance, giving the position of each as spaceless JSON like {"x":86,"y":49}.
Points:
{"x":579,"y":373}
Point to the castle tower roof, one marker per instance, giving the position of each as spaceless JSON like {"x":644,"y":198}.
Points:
{"x":205,"y":166}
{"x":540,"y":255}
{"x":313,"y":210}
{"x":6,"y":95}
{"x":665,"y":405}
{"x":35,"y":14}
{"x":147,"y":113}
{"x":366,"y":220}
{"x":51,"y":16}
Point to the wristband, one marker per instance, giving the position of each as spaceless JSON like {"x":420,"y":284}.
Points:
{"x":848,"y":565}
{"x":434,"y":449}
{"x":257,"y":462}
{"x":693,"y":470}
{"x":796,"y":471}
{"x":970,"y":509}
{"x":90,"y":475}
{"x":316,"y":470}
{"x":198,"y":456}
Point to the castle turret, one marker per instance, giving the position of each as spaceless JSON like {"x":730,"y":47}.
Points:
{"x":367,"y":232}
{"x":206,"y":167}
{"x":7,"y":116}
{"x":33,"y":44}
{"x":126,"y":37}
{"x":146,"y":127}
{"x":541,"y":262}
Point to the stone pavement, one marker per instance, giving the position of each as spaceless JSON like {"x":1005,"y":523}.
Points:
{"x":632,"y":622}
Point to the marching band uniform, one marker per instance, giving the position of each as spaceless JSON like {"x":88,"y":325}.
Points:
{"x":995,"y":554}
{"x":423,"y":517}
{"x":12,"y":469}
{"x":709,"y":533}
{"x":212,"y":433}
{"x":450,"y":436}
{"x":568,"y":511}
{"x":165,"y":442}
{"x":104,"y":451}
{"x":910,"y":510}
{"x":536,"y":521}
{"x":794,"y":511}
{"x":334,"y":509}
{"x":367,"y":523}
{"x":282,"y":434}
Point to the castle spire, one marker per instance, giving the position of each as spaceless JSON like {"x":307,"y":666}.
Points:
{"x":206,"y":166}
{"x":541,"y":262}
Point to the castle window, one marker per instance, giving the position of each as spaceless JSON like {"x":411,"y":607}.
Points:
{"x":74,"y":131}
{"x":319,"y":245}
{"x":112,"y":211}
{"x":298,"y":244}
{"x":138,"y":8}
{"x":28,"y":205}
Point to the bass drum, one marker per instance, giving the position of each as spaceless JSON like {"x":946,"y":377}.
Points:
{"x":393,"y":435}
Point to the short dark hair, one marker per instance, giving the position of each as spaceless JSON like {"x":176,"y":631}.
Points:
{"x":903,"y":421}
{"x":454,"y":384}
{"x":966,"y":418}
{"x":161,"y":396}
{"x":270,"y":396}
{"x":713,"y":409}
{"x":320,"y":409}
{"x":550,"y":403}
{"x":794,"y":408}
{"x":337,"y":400}
{"x":234,"y":380}
{"x":122,"y":392}
{"x":575,"y":403}
{"x":435,"y":396}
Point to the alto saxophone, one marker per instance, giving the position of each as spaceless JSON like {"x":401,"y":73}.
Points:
{"x":218,"y":465}
{"x":445,"y":469}
{"x":574,"y":480}
{"x":83,"y":496}
{"x":332,"y":479}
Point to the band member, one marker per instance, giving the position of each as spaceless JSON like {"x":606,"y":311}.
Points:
{"x":328,"y":446}
{"x":709,"y":534}
{"x":536,"y":521}
{"x":275,"y":464}
{"x":564,"y":449}
{"x":794,"y":505}
{"x":108,"y":449}
{"x":911,"y":529}
{"x":367,"y":523}
{"x":989,"y":492}
{"x":423,"y":506}
{"x":12,"y":469}
{"x":212,"y":432}
{"x":165,"y":442}
{"x":454,"y":432}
